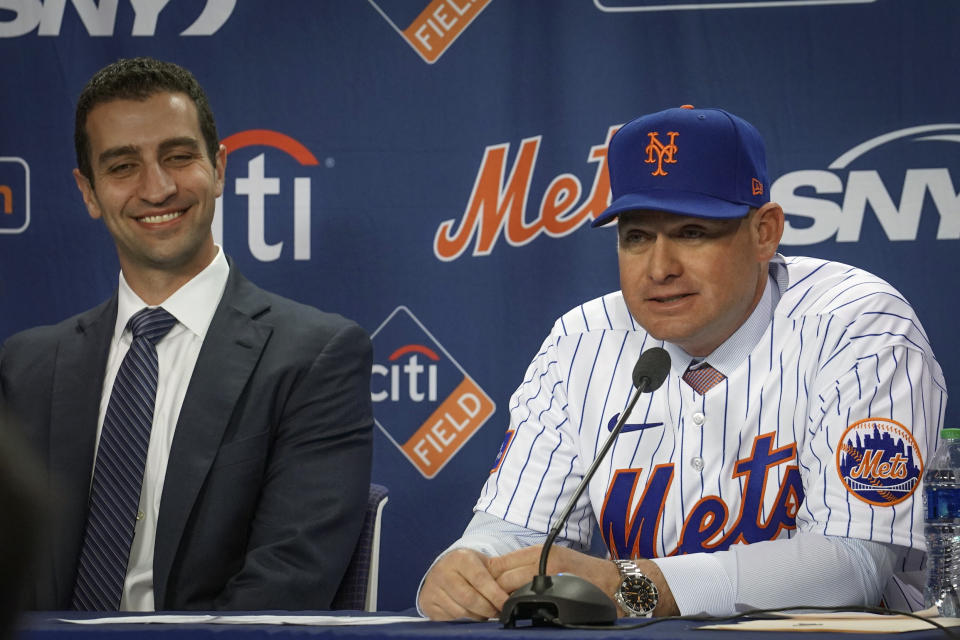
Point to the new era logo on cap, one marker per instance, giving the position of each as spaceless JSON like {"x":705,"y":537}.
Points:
{"x":701,"y":162}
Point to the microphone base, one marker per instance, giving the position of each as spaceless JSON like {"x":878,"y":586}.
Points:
{"x":564,"y":598}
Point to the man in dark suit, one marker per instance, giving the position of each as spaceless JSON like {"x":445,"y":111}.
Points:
{"x":259,"y":424}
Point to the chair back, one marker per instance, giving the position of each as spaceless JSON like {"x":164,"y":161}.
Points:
{"x":358,"y":589}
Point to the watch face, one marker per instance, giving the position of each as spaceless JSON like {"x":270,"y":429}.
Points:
{"x":638,"y":595}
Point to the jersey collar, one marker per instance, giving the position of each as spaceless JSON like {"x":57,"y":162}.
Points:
{"x":729,"y":355}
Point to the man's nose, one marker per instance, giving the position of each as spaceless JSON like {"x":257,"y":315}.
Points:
{"x":156,"y":185}
{"x":663,"y":260}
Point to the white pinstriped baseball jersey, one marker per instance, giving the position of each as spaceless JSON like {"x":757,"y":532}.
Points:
{"x":822,"y":427}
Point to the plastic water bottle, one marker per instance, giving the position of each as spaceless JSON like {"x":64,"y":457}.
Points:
{"x":941,"y":500}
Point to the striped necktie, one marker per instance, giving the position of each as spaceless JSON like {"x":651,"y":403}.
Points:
{"x":118,"y":473}
{"x":703,"y":378}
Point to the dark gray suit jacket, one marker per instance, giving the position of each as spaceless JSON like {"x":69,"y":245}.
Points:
{"x":270,"y":463}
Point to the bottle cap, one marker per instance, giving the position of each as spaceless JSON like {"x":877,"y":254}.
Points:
{"x":950,"y":434}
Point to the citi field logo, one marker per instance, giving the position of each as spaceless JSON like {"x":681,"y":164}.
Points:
{"x":658,"y":153}
{"x":14,"y":195}
{"x":836,"y":204}
{"x":46,"y":17}
{"x":288,"y":203}
{"x":878,"y":461}
{"x":423,"y":400}
{"x":433,"y":25}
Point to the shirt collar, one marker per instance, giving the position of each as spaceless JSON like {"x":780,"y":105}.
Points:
{"x":735,"y":349}
{"x":193,"y":304}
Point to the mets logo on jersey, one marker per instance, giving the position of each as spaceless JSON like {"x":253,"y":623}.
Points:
{"x":630,"y":527}
{"x":664,"y":152}
{"x":423,"y":400}
{"x":878,"y":461}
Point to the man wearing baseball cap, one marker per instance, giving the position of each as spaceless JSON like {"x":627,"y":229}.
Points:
{"x":776,"y":466}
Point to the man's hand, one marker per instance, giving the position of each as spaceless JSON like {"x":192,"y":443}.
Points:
{"x":460,"y":585}
{"x":467,"y":584}
{"x":516,"y":569}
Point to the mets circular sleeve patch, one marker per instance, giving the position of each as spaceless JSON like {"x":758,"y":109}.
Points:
{"x":878,"y":461}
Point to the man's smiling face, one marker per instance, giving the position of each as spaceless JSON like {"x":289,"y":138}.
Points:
{"x":154,"y":186}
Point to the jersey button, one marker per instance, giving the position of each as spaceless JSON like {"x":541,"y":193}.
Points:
{"x":697,"y":463}
{"x":698,"y":418}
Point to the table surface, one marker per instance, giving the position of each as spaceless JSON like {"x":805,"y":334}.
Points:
{"x":49,"y":626}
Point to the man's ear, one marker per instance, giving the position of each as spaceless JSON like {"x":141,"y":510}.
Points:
{"x":768,"y":226}
{"x":89,"y":196}
{"x":220,"y":168}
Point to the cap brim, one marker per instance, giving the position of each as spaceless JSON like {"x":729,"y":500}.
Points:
{"x":678,"y":202}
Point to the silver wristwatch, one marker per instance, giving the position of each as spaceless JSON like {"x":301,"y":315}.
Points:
{"x":636,"y":595}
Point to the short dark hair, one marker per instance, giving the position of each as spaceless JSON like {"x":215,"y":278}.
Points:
{"x":139,"y":79}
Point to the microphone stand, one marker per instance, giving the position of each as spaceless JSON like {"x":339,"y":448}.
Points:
{"x":565,"y":597}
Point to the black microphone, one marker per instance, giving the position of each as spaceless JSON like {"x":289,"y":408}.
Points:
{"x":565,"y":598}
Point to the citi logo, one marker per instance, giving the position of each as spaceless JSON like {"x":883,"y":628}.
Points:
{"x":100,"y":18}
{"x":424,"y":402}
{"x":432,"y":25}
{"x":14,"y":195}
{"x":663,"y":152}
{"x":416,"y":389}
{"x":257,"y":185}
{"x":860,"y":187}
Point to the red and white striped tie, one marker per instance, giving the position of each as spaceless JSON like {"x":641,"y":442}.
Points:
{"x":703,"y":378}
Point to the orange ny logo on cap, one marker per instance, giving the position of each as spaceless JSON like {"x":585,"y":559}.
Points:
{"x":664,"y":151}
{"x":757,"y":187}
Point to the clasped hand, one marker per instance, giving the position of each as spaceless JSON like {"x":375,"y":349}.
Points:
{"x":467,"y":584}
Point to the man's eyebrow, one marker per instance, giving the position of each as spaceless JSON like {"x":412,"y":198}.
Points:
{"x":183,"y":141}
{"x":116,"y":152}
{"x":133,"y":150}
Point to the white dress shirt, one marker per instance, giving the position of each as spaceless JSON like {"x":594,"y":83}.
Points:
{"x":193,"y":305}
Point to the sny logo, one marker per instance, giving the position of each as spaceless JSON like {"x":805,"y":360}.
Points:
{"x":14,"y":195}
{"x":257,"y":185}
{"x":100,"y":19}
{"x":919,"y":162}
{"x":424,"y":402}
{"x":664,"y":151}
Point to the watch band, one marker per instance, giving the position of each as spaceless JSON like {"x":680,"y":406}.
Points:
{"x":637,"y":595}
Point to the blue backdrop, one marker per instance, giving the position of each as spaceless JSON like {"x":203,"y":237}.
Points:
{"x":429,"y":169}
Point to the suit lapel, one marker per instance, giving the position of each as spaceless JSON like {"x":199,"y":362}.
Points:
{"x":79,"y":369}
{"x":230,"y":352}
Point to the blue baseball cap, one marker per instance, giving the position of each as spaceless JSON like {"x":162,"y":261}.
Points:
{"x":697,"y":162}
